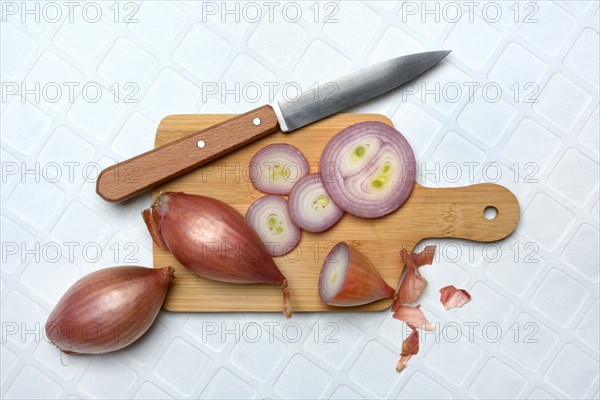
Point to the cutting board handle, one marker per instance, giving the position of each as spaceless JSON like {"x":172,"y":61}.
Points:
{"x":459,"y":212}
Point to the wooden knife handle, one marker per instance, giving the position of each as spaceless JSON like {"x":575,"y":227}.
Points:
{"x":138,"y":174}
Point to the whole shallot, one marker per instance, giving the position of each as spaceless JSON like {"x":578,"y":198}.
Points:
{"x":213,"y":240}
{"x":108,"y":309}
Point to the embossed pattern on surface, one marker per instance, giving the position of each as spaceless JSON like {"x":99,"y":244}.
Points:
{"x":534,"y":325}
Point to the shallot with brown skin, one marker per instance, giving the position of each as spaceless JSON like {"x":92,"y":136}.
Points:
{"x":213,"y":240}
{"x":108,"y":309}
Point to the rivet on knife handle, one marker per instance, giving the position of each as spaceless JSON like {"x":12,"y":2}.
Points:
{"x":138,"y":174}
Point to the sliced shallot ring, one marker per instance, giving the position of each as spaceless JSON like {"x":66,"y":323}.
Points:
{"x":276,"y":168}
{"x":368,"y":169}
{"x":270,"y":218}
{"x":310,"y":206}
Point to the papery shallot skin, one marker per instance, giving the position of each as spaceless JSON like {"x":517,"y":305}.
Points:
{"x":213,"y":240}
{"x":413,"y":317}
{"x":412,"y":287}
{"x":451,"y":297}
{"x":410,"y":347}
{"x":108,"y":309}
{"x":413,"y":284}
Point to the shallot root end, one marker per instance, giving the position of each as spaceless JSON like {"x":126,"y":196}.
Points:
{"x":169,"y":272}
{"x":287,"y":306}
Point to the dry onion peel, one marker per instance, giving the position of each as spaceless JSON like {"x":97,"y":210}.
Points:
{"x":451,"y":297}
{"x":413,"y":317}
{"x":108,"y":309}
{"x":424,"y":257}
{"x":411,"y":288}
{"x":414,"y":283}
{"x":410,"y":347}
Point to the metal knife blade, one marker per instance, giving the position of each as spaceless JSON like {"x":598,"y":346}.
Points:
{"x":354,"y":88}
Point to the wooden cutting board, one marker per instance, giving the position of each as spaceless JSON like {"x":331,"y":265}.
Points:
{"x":428,"y":213}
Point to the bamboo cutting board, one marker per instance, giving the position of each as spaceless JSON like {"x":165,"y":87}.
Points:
{"x":428,"y":213}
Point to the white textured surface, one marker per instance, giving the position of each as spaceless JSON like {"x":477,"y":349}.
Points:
{"x":171,"y":54}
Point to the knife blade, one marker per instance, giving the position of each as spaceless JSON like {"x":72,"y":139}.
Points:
{"x":145,"y":171}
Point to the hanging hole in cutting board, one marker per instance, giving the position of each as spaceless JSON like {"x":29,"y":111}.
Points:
{"x":490,"y":212}
{"x":201,"y":144}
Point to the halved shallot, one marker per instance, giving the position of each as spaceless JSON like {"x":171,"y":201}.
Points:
{"x":270,"y":218}
{"x":368,"y":169}
{"x":451,"y":297}
{"x":310,"y":206}
{"x":213,"y":240}
{"x":108,"y":309}
{"x":277,"y":167}
{"x":348,"y":278}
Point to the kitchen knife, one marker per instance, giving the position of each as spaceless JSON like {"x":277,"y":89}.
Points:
{"x":145,"y":171}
